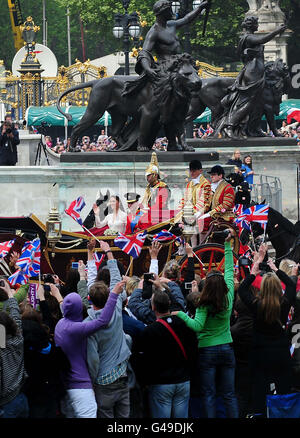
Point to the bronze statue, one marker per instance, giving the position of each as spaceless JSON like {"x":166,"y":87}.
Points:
{"x":160,"y":97}
{"x":246,"y":92}
{"x":213,"y":90}
{"x":166,"y":101}
{"x":162,"y":38}
{"x":277,"y":83}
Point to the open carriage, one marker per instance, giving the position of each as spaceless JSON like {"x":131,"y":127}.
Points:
{"x":72,"y":246}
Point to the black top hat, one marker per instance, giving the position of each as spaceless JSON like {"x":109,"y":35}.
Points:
{"x":217,"y":170}
{"x":195,"y":165}
{"x":131,"y":197}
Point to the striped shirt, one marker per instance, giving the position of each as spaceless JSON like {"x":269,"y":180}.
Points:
{"x":12,"y":371}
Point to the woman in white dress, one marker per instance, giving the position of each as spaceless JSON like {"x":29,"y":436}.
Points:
{"x":116,"y":221}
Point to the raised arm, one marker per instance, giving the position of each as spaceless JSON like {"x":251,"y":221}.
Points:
{"x":256,"y":39}
{"x":191,"y":16}
{"x":90,"y":327}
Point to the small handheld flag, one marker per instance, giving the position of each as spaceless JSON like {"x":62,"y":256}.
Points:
{"x":75,"y":208}
{"x":5,"y":247}
{"x":131,"y":245}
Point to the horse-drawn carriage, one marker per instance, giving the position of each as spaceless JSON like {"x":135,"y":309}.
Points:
{"x":72,"y":246}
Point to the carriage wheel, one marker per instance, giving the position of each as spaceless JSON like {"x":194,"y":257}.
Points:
{"x":211,"y":256}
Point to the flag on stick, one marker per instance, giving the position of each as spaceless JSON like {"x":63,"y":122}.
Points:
{"x":131,"y":245}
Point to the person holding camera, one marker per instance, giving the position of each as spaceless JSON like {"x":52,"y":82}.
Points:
{"x":13,"y":402}
{"x":270,"y":358}
{"x":140,"y":300}
{"x":212,"y":327}
{"x":9,"y":140}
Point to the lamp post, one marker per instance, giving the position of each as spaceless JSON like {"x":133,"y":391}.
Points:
{"x":30,"y":68}
{"x":126,"y":26}
{"x":181,"y":8}
{"x":53,"y":229}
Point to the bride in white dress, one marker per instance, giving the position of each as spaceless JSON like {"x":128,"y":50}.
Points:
{"x":116,"y":221}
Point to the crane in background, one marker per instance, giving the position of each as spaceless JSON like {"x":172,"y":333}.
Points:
{"x":16,"y":19}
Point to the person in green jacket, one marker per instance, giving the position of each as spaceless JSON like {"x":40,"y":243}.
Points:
{"x":216,"y":361}
{"x":20,"y":295}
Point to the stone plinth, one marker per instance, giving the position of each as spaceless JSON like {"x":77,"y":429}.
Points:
{"x":27,"y":150}
{"x":212,"y":143}
{"x":137,"y":157}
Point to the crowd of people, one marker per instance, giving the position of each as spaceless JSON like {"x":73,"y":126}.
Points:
{"x":171,"y":344}
{"x":291,"y":131}
{"x":108,"y":345}
{"x":203,"y":131}
{"x":99,"y":144}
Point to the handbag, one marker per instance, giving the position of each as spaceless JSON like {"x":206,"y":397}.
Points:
{"x":283,"y":406}
{"x":162,"y":321}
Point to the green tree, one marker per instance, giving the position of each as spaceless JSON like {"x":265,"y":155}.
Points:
{"x":222,"y":28}
{"x":217,"y":47}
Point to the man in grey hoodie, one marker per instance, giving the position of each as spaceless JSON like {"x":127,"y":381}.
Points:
{"x":107,"y":350}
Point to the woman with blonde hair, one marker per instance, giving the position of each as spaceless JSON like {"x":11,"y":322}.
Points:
{"x":270,"y":358}
{"x":288,"y":266}
{"x":235,"y":159}
{"x":131,"y":284}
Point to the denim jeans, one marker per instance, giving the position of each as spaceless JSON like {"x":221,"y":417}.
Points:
{"x":17,"y":408}
{"x":79,"y":403}
{"x":169,"y":401}
{"x":217,"y":373}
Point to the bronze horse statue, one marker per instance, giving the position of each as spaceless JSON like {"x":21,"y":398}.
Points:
{"x":139,"y":108}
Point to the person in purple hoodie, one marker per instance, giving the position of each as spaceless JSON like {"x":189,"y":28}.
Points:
{"x":71,"y":334}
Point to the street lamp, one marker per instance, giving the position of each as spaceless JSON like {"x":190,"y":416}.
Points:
{"x":182,"y":7}
{"x":126,"y":25}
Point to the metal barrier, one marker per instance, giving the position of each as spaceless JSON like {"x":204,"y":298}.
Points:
{"x":268,"y":189}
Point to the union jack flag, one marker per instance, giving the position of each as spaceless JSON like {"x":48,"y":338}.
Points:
{"x":258,"y":213}
{"x":98,"y":259}
{"x":164,"y":236}
{"x":238,"y":209}
{"x":167,"y":236}
{"x":241,"y":220}
{"x":29,"y":261}
{"x":19,"y":277}
{"x":75,"y":208}
{"x":131,"y":245}
{"x":5,"y":247}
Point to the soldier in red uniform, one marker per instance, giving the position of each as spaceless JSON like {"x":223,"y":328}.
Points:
{"x":223,"y":197}
{"x":198,"y":191}
{"x":155,"y":200}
